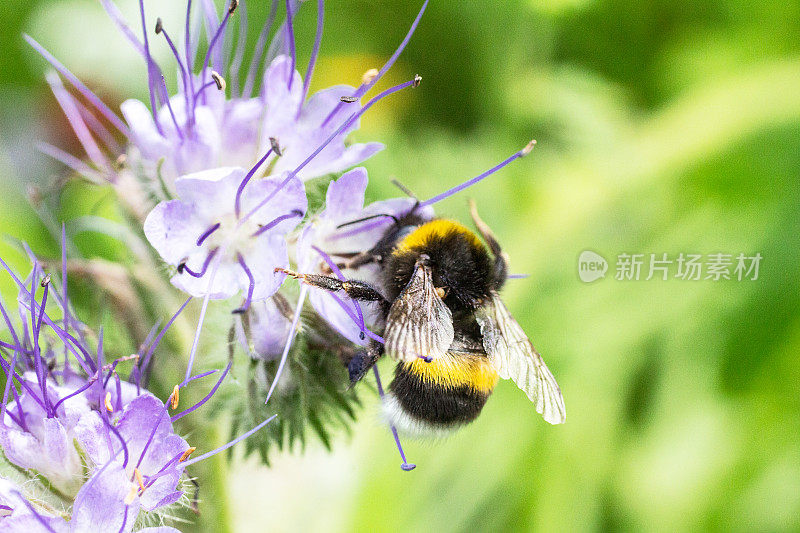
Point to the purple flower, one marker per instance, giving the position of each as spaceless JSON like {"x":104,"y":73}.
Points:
{"x":237,"y":131}
{"x":211,"y":122}
{"x":106,"y":446}
{"x":344,"y":228}
{"x":211,"y":246}
{"x":43,"y":443}
{"x":300,"y":127}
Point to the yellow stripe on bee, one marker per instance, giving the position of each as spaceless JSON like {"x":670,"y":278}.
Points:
{"x":459,"y":371}
{"x":435,"y":228}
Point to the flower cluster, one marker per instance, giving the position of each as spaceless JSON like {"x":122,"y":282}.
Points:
{"x":85,"y":448}
{"x":216,"y":175}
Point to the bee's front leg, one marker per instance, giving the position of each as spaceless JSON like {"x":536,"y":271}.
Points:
{"x":357,"y":290}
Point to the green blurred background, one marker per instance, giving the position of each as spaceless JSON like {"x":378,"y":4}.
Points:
{"x":662,"y":127}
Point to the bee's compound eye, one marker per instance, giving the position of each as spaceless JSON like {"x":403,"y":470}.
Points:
{"x":441,"y":292}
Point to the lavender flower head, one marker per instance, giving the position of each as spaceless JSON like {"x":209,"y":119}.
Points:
{"x":236,"y":164}
{"x":211,"y":122}
{"x":214,"y":177}
{"x":92,"y":451}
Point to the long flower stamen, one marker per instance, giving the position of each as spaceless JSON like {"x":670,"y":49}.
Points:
{"x":83,"y":89}
{"x":314,"y":53}
{"x":220,"y":31}
{"x":235,"y":67}
{"x":335,"y":269}
{"x":206,"y":397}
{"x":251,"y":285}
{"x":69,"y":160}
{"x":145,"y":361}
{"x":238,"y":201}
{"x":258,"y":53}
{"x":216,"y":81}
{"x":290,"y":39}
{"x":358,"y":322}
{"x":82,"y":132}
{"x":235,"y":441}
{"x":189,"y":63}
{"x":36,"y":323}
{"x":277,"y":220}
{"x":372,"y":80}
{"x":184,"y":268}
{"x":355,"y":116}
{"x":9,"y":380}
{"x":439,"y":197}
{"x":406,"y":465}
{"x":151,"y":66}
{"x":97,"y":128}
{"x":201,"y":319}
{"x":292,"y":331}
{"x":169,"y":108}
{"x":185,"y":74}
{"x":207,"y":233}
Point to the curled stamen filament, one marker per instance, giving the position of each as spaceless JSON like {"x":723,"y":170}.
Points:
{"x":268,"y":226}
{"x":184,"y":268}
{"x":207,"y":233}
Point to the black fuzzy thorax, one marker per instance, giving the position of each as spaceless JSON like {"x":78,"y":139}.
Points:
{"x":458,"y":263}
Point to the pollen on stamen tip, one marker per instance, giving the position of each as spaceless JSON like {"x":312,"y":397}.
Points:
{"x":131,"y":494}
{"x":159,"y":25}
{"x":348,"y":99}
{"x":174,"y":397}
{"x":219,"y":80}
{"x":273,"y":143}
{"x":189,"y":451}
{"x":369,"y":75}
{"x":45,"y":281}
{"x":233,"y":6}
{"x":139,"y":479}
{"x":417,"y":81}
{"x":525,"y":151}
{"x":121,"y":162}
{"x":107,"y":403}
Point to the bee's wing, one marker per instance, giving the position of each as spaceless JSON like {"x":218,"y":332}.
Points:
{"x":515,"y":358}
{"x":419,"y":323}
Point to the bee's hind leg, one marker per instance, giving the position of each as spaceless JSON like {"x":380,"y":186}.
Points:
{"x":500,"y":257}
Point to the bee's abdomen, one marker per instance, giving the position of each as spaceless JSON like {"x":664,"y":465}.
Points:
{"x":429,"y":397}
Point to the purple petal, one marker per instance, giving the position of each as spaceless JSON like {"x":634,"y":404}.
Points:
{"x":270,"y":329}
{"x":100,"y":504}
{"x":224,"y":285}
{"x":92,"y":436}
{"x":327,"y":307}
{"x":281,"y":102}
{"x":271,"y":253}
{"x":289,"y":198}
{"x":345,"y":196}
{"x":172,"y":228}
{"x":143,"y":132}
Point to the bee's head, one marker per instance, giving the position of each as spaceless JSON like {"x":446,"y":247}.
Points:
{"x":460,"y":264}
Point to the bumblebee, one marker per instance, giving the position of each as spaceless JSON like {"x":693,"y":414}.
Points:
{"x":445,"y":324}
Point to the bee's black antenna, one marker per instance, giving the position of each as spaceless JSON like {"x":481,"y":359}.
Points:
{"x":405,"y":189}
{"x":364,"y":219}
